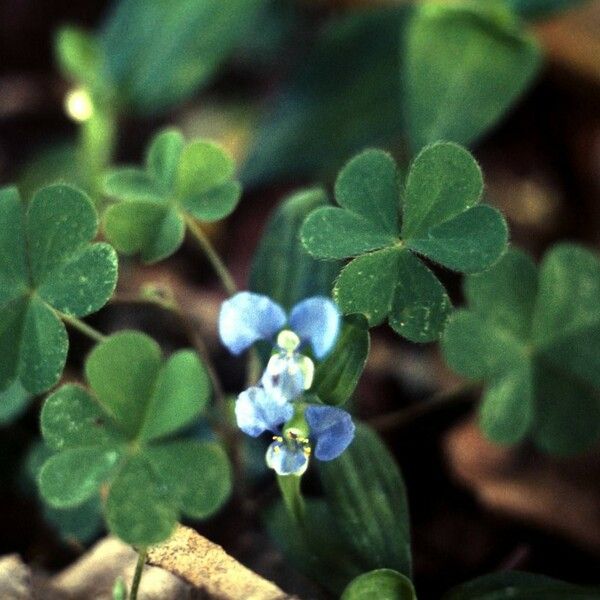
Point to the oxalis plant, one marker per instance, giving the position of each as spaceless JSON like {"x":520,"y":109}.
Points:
{"x":120,"y":443}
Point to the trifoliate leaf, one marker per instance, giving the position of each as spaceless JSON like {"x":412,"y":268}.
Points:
{"x":436,"y":215}
{"x":178,"y":182}
{"x":121,"y":436}
{"x":534,"y":338}
{"x":48,"y":266}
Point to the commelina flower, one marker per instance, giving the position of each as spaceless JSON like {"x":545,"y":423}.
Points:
{"x":276,"y":403}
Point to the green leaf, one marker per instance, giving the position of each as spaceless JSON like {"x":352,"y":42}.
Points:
{"x":444,"y":181}
{"x":139,"y":508}
{"x":441,"y":220}
{"x":73,"y":476}
{"x":337,"y":376}
{"x":535,"y":9}
{"x":342,"y":96}
{"x":159,"y":54}
{"x":384,"y":584}
{"x":465,"y":66}
{"x":281,"y":268}
{"x":124,"y":384}
{"x":152,"y":229}
{"x":79,"y":55}
{"x":519,"y":585}
{"x":14,"y":400}
{"x":182,"y":390}
{"x":71,"y":419}
{"x":178,"y":183}
{"x":198,"y":472}
{"x":121,"y":435}
{"x":368,"y":186}
{"x":317,"y":549}
{"x":535,"y":341}
{"x":48,"y":265}
{"x":366,"y":494}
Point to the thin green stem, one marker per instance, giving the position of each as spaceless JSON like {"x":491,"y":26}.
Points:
{"x":137,"y":576}
{"x":215,"y":260}
{"x":292,"y":496}
{"x":82,"y":326}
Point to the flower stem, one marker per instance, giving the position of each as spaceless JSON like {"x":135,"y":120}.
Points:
{"x":83,"y":327}
{"x":215,"y":260}
{"x":292,"y":496}
{"x":137,"y":576}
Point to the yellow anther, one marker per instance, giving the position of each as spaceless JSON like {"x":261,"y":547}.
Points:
{"x":79,"y":105}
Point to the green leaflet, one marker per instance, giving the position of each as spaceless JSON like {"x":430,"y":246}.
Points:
{"x":344,"y":95}
{"x":520,"y":586}
{"x":281,"y":268}
{"x":47,"y":264}
{"x":384,"y":225}
{"x":158,"y":54}
{"x":534,"y":338}
{"x":465,"y":65}
{"x":121,"y":435}
{"x":178,"y":182}
{"x":365,"y":492}
{"x":384,"y":584}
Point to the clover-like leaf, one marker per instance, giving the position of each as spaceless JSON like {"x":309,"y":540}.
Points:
{"x":385,"y":226}
{"x":534,"y":338}
{"x":465,"y":65}
{"x":178,"y":182}
{"x":47,"y":267}
{"x":385,"y":584}
{"x":121,"y":436}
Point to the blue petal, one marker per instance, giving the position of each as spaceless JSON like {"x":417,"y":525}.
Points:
{"x":287,"y":458}
{"x":256,"y":412}
{"x":332,"y":430}
{"x":316,"y":321}
{"x":246,"y":318}
{"x":283,"y":380}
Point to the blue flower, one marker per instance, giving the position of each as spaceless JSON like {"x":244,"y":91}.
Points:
{"x":247,"y":318}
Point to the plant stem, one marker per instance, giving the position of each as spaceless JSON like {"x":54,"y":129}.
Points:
{"x":292,"y":496}
{"x":402,"y":417}
{"x":82,"y":326}
{"x":137,"y":576}
{"x":215,"y":260}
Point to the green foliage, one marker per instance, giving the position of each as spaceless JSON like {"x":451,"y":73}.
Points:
{"x":179,"y":182}
{"x":80,"y":58}
{"x":316,"y":548}
{"x":120,"y":436}
{"x":48,"y":267}
{"x":534,"y":338}
{"x":465,"y":65}
{"x":159,"y":53}
{"x":516,"y":585}
{"x":365,"y":492}
{"x":82,"y":523}
{"x":337,"y":376}
{"x":13,"y":402}
{"x":345,"y":94}
{"x":282,"y":269}
{"x":534,"y":9}
{"x":384,"y":584}
{"x":442,"y":221}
